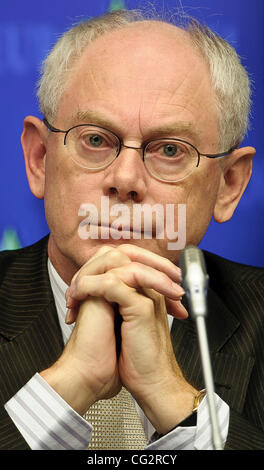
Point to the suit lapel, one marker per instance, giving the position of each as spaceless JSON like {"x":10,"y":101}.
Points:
{"x":231,"y":372}
{"x":30,"y":335}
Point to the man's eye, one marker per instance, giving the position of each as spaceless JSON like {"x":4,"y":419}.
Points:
{"x":95,"y":140}
{"x":170,"y":150}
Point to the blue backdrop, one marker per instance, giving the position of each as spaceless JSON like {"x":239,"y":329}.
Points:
{"x":27,"y":31}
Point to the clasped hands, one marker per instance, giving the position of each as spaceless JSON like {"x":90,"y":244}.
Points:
{"x":145,"y":286}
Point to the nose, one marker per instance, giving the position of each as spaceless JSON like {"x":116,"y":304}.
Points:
{"x":126,"y":177}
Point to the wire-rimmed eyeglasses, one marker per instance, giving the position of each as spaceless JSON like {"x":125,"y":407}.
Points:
{"x":167,"y":159}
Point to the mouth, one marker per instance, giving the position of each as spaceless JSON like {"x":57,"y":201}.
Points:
{"x":117,"y":229}
{"x":143,"y":222}
{"x":125,"y":230}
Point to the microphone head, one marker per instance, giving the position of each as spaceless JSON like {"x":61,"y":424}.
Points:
{"x":194,"y":279}
{"x":191,"y":254}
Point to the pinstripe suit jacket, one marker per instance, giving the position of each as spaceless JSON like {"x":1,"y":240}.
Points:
{"x":31,"y":340}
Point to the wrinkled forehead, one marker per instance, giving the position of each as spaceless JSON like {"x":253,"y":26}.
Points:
{"x":146,"y":51}
{"x":146,"y":68}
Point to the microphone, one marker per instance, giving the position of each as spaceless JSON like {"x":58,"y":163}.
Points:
{"x":195,"y":282}
{"x":194,"y":279}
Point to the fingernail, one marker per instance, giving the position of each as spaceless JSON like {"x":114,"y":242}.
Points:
{"x":68,"y":316}
{"x":69,"y":299}
{"x":69,"y":302}
{"x":179,"y":289}
{"x":183,"y":310}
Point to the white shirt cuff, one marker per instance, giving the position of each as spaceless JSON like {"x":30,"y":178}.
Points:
{"x":45,"y":420}
{"x":197,"y":437}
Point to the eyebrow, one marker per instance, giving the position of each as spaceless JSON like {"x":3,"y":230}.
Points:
{"x":176,"y":128}
{"x":93,"y":117}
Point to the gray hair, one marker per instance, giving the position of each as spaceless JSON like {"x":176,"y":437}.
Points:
{"x":229,"y":78}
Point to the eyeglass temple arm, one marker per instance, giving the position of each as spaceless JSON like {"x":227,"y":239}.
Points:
{"x":50,"y":127}
{"x":220,"y":154}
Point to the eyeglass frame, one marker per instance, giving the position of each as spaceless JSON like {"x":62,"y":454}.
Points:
{"x":142,"y":147}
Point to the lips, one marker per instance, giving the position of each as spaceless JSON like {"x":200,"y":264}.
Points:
{"x":137,"y":222}
{"x":120,"y":231}
{"x":121,"y":225}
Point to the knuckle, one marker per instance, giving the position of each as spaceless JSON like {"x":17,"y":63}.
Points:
{"x":76,"y":277}
{"x":164,"y":277}
{"x":78,"y":287}
{"x":114,"y":254}
{"x":104,"y":249}
{"x":126,"y":247}
{"x":110,"y":279}
{"x":136,"y":265}
{"x":116,"y":257}
{"x":80,"y":283}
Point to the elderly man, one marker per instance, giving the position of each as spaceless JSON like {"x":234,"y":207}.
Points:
{"x":136,"y":112}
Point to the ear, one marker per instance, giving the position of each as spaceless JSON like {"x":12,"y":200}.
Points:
{"x":236,"y":173}
{"x":33,"y":142}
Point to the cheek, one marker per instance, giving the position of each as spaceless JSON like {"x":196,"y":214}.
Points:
{"x":198,"y":194}
{"x":66,"y":188}
{"x":200,"y":202}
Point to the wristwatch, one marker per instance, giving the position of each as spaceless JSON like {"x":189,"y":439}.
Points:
{"x":191,"y":420}
{"x":198,"y":400}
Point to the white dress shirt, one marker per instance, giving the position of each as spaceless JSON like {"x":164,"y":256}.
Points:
{"x":47,"y":422}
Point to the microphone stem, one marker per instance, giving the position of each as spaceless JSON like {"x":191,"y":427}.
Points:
{"x":208,"y":379}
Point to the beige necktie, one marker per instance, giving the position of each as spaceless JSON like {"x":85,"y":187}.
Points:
{"x":116,"y":424}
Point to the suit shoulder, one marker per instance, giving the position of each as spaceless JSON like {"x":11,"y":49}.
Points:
{"x":11,"y":259}
{"x":226,"y":271}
